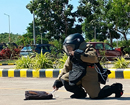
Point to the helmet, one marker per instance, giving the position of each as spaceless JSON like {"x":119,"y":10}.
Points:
{"x":72,"y":42}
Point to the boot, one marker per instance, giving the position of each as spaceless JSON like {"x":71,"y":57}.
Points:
{"x":105,"y":92}
{"x":108,"y":90}
{"x":76,"y":89}
{"x":79,"y":94}
{"x":117,"y":89}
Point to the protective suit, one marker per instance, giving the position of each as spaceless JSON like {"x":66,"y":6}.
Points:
{"x":79,"y":74}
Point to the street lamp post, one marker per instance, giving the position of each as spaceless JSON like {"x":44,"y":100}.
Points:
{"x":41,"y":38}
{"x":9,"y":24}
{"x":34,"y":27}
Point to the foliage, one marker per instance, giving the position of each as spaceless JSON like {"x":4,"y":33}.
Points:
{"x":104,"y":59}
{"x":23,"y":62}
{"x":105,"y":18}
{"x":56,"y":50}
{"x":44,"y":40}
{"x":57,"y":43}
{"x":92,"y":12}
{"x":12,"y":48}
{"x":120,"y":11}
{"x":27,"y":38}
{"x":125,"y":44}
{"x":40,"y":61}
{"x":54,"y":17}
{"x":59,"y":63}
{"x":7,"y":61}
{"x":4,"y":37}
{"x":101,"y":18}
{"x":121,"y":63}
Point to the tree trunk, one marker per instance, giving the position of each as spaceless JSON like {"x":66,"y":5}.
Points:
{"x":110,"y":38}
{"x":125,"y":36}
{"x":121,"y":33}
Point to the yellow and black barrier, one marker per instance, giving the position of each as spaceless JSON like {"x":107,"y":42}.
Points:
{"x":1,"y":64}
{"x":52,"y":73}
{"x":119,"y":73}
{"x":49,"y":73}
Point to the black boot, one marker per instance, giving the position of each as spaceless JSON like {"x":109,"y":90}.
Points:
{"x":79,"y":94}
{"x":105,"y":92}
{"x":76,"y":89}
{"x":117,"y":89}
{"x":108,"y":90}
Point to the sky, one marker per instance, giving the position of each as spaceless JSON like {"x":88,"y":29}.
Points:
{"x":19,"y":15}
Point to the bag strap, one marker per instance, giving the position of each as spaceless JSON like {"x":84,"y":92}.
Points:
{"x":99,"y":71}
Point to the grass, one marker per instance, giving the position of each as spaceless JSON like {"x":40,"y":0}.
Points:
{"x":6,"y":61}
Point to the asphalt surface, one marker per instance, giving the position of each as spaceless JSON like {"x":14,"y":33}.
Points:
{"x":12,"y":92}
{"x":7,"y":66}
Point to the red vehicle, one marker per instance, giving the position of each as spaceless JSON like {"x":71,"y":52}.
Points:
{"x":110,"y":53}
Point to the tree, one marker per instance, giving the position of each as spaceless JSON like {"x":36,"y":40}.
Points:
{"x":103,"y":18}
{"x":121,"y":13}
{"x":27,"y":38}
{"x":54,"y":17}
{"x":108,"y":17}
{"x":4,"y":37}
{"x":91,"y":11}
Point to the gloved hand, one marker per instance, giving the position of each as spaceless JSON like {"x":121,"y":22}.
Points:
{"x":57,"y":84}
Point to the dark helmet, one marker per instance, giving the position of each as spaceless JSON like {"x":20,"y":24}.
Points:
{"x":74,"y":41}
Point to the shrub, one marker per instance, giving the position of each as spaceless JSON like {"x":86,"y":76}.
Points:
{"x":40,"y":61}
{"x":59,"y":63}
{"x":121,"y":63}
{"x":103,"y":60}
{"x":23,"y":63}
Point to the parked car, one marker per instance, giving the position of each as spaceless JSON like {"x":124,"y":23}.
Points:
{"x":27,"y":50}
{"x":44,"y":48}
{"x":30,"y":49}
{"x":110,"y":52}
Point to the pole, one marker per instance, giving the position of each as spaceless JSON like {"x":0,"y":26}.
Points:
{"x":95,"y":33}
{"x":117,"y":43}
{"x":34,"y":27}
{"x":9,"y":24}
{"x":41,"y":38}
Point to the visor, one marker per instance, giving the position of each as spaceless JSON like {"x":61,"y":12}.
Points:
{"x":68,"y":48}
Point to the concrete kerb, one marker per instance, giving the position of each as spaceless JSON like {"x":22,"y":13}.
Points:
{"x":119,"y":73}
{"x":1,"y":64}
{"x":53,"y":73}
{"x":41,"y":73}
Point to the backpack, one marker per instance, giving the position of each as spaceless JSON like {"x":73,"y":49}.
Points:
{"x":102,"y":73}
{"x":37,"y":95}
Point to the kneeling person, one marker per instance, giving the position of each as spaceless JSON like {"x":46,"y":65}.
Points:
{"x":79,"y":74}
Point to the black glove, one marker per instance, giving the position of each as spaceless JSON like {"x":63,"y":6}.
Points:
{"x":57,"y":84}
{"x":77,"y":54}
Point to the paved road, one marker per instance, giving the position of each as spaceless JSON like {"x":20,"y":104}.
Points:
{"x":12,"y":92}
{"x":7,"y":67}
